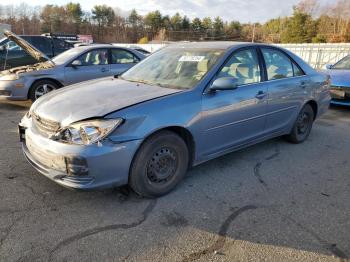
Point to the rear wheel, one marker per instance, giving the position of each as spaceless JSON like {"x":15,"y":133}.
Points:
{"x":159,"y":165}
{"x":303,"y":125}
{"x":41,"y":88}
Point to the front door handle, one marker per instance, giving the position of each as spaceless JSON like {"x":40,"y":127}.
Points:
{"x":261,"y":95}
{"x":104,"y":70}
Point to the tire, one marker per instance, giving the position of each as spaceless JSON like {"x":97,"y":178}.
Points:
{"x":159,"y":165}
{"x":302,"y":126}
{"x":40,"y":88}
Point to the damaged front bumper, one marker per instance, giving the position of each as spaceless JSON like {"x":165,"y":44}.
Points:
{"x":76,"y":166}
{"x":340,"y":95}
{"x":13,"y":90}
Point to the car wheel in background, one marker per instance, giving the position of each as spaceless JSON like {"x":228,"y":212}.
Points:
{"x":159,"y":165}
{"x":303,"y":125}
{"x":41,"y":88}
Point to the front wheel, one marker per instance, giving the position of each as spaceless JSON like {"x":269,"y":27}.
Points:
{"x":302,"y":126}
{"x":41,"y":88}
{"x":159,"y":165}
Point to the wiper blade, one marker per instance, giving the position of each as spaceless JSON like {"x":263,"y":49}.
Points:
{"x":164,"y":85}
{"x":147,"y":83}
{"x":137,"y":81}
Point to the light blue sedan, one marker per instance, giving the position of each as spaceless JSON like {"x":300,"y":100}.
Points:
{"x":180,"y":107}
{"x":340,"y":81}
{"x":73,"y":66}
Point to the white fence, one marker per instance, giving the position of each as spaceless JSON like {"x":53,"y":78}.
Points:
{"x":317,"y":55}
{"x":149,"y":47}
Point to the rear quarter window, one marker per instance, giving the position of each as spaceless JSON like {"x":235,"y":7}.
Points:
{"x":297,"y":70}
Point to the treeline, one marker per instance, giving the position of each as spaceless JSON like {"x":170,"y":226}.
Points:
{"x":310,"y":22}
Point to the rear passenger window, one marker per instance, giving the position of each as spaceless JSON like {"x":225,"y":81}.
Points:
{"x":120,"y":56}
{"x":244,"y":66}
{"x":278,"y":65}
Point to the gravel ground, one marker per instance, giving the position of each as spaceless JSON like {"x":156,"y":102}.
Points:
{"x":270,"y":202}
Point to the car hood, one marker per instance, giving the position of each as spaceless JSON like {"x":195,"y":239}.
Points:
{"x":94,"y":98}
{"x":31,"y":50}
{"x":340,"y":77}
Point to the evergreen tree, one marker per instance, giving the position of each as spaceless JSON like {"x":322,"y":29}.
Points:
{"x":300,"y":28}
{"x":154,"y":21}
{"x":218,"y":26}
{"x":196,"y":24}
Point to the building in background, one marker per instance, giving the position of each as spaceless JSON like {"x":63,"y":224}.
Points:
{"x":87,"y":39}
{"x":2,"y":28}
{"x":72,"y":38}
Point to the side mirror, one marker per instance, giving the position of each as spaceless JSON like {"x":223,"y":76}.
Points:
{"x":329,"y":66}
{"x":224,"y":83}
{"x":2,"y":48}
{"x":76,"y":63}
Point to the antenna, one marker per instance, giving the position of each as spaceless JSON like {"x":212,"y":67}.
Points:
{"x":253,"y":37}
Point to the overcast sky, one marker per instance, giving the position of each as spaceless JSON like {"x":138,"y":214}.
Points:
{"x":241,"y":10}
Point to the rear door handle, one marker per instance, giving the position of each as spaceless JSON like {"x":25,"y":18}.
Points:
{"x":104,"y":70}
{"x":302,"y":84}
{"x":261,"y":95}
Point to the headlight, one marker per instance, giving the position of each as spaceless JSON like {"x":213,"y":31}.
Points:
{"x":10,"y":77}
{"x":29,"y":114}
{"x":87,"y":132}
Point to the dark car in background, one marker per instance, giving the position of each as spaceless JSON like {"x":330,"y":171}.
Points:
{"x":12,"y":55}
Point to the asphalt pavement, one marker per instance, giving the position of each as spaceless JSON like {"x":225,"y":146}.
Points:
{"x":270,"y":202}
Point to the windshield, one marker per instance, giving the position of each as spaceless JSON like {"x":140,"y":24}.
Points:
{"x":343,"y":64}
{"x":174,"y":68}
{"x":66,"y":56}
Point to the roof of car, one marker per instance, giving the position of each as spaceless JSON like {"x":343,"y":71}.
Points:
{"x":83,"y":48}
{"x":211,"y":45}
{"x":93,"y":46}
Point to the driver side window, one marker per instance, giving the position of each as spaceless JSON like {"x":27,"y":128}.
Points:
{"x":244,"y":66}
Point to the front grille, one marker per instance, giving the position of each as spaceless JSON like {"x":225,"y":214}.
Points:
{"x":343,"y":95}
{"x":345,"y":88}
{"x":44,"y":125}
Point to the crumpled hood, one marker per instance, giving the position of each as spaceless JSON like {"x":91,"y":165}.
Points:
{"x":340,"y":77}
{"x":94,"y":98}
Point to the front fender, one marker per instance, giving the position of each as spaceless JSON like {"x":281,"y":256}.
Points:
{"x":141,"y":120}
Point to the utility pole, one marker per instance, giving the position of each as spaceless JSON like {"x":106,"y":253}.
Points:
{"x":253,"y":36}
